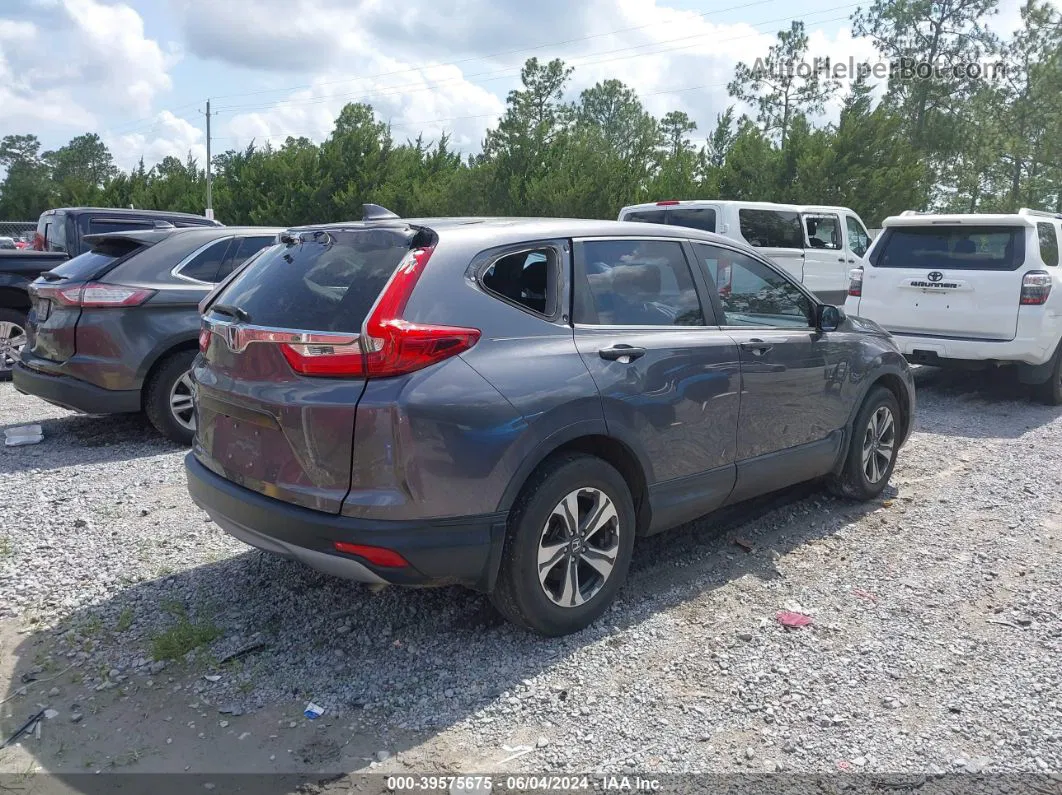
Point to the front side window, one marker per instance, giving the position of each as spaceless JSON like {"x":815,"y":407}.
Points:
{"x":204,"y":266}
{"x":525,"y":278}
{"x":824,"y":231}
{"x":858,"y":239}
{"x":635,"y":283}
{"x":1048,"y":243}
{"x":771,"y":228}
{"x":752,"y":294}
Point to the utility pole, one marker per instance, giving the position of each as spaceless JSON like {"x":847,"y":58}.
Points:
{"x":209,"y":203}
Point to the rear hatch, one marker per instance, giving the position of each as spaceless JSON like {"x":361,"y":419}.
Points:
{"x":58,"y":296}
{"x":947,"y":280}
{"x":284,"y":362}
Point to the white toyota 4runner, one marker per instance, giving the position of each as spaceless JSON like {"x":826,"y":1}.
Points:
{"x":969,"y":290}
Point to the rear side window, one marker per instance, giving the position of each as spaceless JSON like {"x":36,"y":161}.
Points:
{"x":98,"y":259}
{"x":1048,"y":243}
{"x":989,"y":248}
{"x":771,"y":228}
{"x":647,"y":217}
{"x":240,"y":251}
{"x":326,"y":281}
{"x":525,"y":278}
{"x":702,"y":218}
{"x":635,"y":283}
{"x":204,"y":265}
{"x":101,"y":226}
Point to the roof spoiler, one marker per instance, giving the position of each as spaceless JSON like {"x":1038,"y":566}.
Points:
{"x":374,"y":212}
{"x":1039,"y":213}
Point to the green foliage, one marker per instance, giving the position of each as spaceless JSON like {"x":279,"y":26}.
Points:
{"x":184,"y":636}
{"x":949,"y":143}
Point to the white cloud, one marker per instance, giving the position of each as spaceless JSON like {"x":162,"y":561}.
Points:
{"x":674,"y":59}
{"x":168,"y":136}
{"x":75,"y":61}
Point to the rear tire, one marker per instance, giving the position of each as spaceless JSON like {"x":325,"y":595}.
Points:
{"x":12,"y":340}
{"x":558,"y":575}
{"x":168,"y":399}
{"x":872,"y":450}
{"x":1050,"y":391}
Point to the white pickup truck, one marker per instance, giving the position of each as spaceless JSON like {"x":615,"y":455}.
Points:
{"x":970,"y":290}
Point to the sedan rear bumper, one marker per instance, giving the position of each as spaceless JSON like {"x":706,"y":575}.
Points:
{"x":459,"y":551}
{"x":74,"y":394}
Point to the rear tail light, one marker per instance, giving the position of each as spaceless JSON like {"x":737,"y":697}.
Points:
{"x":389,"y":345}
{"x":667,"y":203}
{"x":855,"y":282}
{"x":1035,"y":288}
{"x":204,"y":339}
{"x":95,"y":294}
{"x":378,"y":556}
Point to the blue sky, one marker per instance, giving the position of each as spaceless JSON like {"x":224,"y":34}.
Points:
{"x":139,"y":71}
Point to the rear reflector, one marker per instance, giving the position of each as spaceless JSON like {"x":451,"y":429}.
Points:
{"x":855,"y":282}
{"x":378,"y":556}
{"x":1035,"y":288}
{"x":97,"y":295}
{"x":388,"y":345}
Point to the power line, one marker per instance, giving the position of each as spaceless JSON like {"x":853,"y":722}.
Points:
{"x":497,"y":54}
{"x":489,"y":76}
{"x":592,"y":60}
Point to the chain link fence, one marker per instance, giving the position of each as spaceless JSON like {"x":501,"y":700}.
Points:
{"x":17,"y":231}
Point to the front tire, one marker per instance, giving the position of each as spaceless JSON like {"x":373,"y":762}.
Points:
{"x":168,"y":398}
{"x":872,"y":449}
{"x":568,"y":546}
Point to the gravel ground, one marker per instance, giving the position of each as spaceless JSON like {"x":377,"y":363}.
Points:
{"x":935,"y":643}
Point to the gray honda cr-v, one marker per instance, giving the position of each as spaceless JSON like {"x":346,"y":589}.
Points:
{"x":507,"y":403}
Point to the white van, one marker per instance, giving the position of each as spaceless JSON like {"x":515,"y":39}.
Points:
{"x":817,"y":245}
{"x":969,"y":289}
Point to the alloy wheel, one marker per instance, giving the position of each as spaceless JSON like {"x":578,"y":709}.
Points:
{"x":578,"y":547}
{"x":12,"y":340}
{"x":879,"y":444}
{"x":181,"y":404}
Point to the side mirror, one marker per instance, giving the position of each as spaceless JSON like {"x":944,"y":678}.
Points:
{"x":829,"y":318}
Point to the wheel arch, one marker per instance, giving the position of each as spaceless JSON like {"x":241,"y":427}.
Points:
{"x":597,"y":443}
{"x":156,"y":360}
{"x":14,"y":298}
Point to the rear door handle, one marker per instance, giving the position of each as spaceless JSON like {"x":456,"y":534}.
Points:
{"x":617,"y":352}
{"x":756,"y":347}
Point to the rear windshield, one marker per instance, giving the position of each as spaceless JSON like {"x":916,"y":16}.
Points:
{"x":987,"y":248}
{"x":327,"y":281}
{"x":93,"y":263}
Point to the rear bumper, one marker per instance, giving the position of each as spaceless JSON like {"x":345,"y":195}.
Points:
{"x":926,"y":349}
{"x":73,"y":393}
{"x":462,"y":551}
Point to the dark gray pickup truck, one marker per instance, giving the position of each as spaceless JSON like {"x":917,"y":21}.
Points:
{"x":17,"y":270}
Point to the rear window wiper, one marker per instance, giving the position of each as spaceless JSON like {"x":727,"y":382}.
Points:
{"x":232,"y":311}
